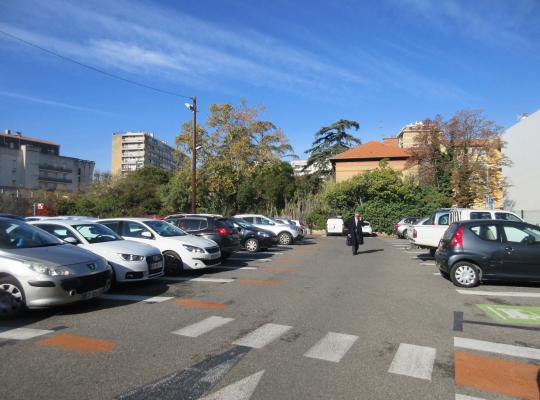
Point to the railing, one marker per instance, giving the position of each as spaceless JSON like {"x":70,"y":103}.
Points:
{"x":51,"y":179}
{"x":53,"y":168}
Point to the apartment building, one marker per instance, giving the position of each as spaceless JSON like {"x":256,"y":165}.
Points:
{"x":134,"y":150}
{"x":34,"y":164}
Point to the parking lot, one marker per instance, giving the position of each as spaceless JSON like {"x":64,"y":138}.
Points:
{"x":307,"y":321}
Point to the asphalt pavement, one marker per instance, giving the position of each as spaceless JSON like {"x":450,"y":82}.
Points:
{"x":309,"y":321}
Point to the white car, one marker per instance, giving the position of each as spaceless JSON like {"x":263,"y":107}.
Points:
{"x":285,"y":232}
{"x":130,"y":261}
{"x":366,"y":229}
{"x":180,"y":250}
{"x":335,"y":226}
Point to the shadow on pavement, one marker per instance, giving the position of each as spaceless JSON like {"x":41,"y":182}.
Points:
{"x":370,"y":251}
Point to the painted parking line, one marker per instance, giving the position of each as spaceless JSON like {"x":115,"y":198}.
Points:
{"x":416,"y":252}
{"x":414,"y":361}
{"x":22,"y":333}
{"x":497,"y":376}
{"x":201,"y":280}
{"x":332,"y":347}
{"x":80,"y":344}
{"x":437,"y":273}
{"x":428,"y":263}
{"x":501,"y":294}
{"x":465,"y":397}
{"x":262,"y":336}
{"x":497,"y":348}
{"x":129,"y":297}
{"x":261,"y":282}
{"x":202,"y":327}
{"x":264,"y":260}
{"x":194,"y":303}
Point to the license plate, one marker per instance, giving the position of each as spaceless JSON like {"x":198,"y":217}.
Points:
{"x":155,"y":266}
{"x":92,"y":293}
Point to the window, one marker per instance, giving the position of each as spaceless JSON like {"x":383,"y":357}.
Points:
{"x":523,"y":235}
{"x":96,"y":233}
{"x":443,"y":219}
{"x":485,"y":232}
{"x":61,"y":232}
{"x":112,"y":225}
{"x":251,"y":220}
{"x":133,"y":229}
{"x":507,"y":217}
{"x":19,"y":235}
{"x":165,"y":229}
{"x":481,"y":215}
{"x":191,"y":224}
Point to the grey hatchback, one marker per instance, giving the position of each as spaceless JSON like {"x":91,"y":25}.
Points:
{"x":478,"y":250}
{"x":38,"y":270}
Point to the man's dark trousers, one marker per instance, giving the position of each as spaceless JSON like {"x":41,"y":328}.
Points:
{"x":355,"y":230}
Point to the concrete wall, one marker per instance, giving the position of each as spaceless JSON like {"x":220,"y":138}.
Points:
{"x":522,"y":145}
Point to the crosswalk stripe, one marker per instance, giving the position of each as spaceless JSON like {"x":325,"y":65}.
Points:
{"x":465,"y":397}
{"x":414,"y":361}
{"x":129,"y":297}
{"x":206,"y":325}
{"x":263,"y":335}
{"x":332,"y":347}
{"x":502,"y":294}
{"x":22,"y":333}
{"x":202,"y":280}
{"x":498,"y":348}
{"x":241,"y":390}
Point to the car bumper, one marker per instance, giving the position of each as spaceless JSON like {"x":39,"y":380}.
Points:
{"x":138,"y":270}
{"x":203,"y":262}
{"x":67,"y":290}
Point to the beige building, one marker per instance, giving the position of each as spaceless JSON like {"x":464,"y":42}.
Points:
{"x":134,"y":150}
{"x":34,"y":164}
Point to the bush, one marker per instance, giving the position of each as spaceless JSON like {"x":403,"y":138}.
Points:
{"x":316,"y":219}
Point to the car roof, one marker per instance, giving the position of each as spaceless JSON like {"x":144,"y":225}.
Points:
{"x":134,"y":219}
{"x":491,"y":221}
{"x":64,"y":222}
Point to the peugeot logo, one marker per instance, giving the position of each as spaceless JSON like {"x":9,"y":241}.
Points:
{"x":91,"y":266}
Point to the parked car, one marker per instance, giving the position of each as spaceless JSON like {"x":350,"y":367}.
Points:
{"x":335,"y":226}
{"x":410,"y":227}
{"x":366,"y":229}
{"x":286,"y":233}
{"x":213,"y":227}
{"x":479,"y":250}
{"x":430,"y":234}
{"x":401,"y":229}
{"x":130,"y":261}
{"x":12,"y":216}
{"x":39,"y":270}
{"x":180,"y":250}
{"x":293,"y":222}
{"x":252,"y":238}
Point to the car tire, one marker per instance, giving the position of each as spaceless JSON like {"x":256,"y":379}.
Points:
{"x":432,"y":252}
{"x":285,"y":238}
{"x":404,"y":234}
{"x":12,"y":299}
{"x":465,"y":274}
{"x":173,"y":263}
{"x":252,"y":245}
{"x":113,"y":276}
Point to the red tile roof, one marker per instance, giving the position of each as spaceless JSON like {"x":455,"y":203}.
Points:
{"x":14,"y":136}
{"x":372,"y":150}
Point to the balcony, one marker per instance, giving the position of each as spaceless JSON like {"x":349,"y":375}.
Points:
{"x":53,"y":179}
{"x":49,"y":167}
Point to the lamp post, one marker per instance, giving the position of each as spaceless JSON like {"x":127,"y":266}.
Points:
{"x":193,"y":108}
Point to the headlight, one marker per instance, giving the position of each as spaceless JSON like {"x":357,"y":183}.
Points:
{"x":51,"y":271}
{"x":193,"y":249}
{"x":131,"y":257}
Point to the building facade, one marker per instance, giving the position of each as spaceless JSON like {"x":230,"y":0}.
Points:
{"x":134,"y":150}
{"x":299,"y":167}
{"x":34,"y":164}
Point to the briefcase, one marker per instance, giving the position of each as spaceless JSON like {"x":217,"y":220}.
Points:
{"x":349,"y":240}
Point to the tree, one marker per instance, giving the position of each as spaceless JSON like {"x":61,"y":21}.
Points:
{"x":329,"y":141}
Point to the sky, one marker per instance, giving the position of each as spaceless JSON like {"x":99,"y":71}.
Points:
{"x":384,"y":63}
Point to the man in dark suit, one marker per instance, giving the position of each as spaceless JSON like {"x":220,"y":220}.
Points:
{"x":355,"y":231}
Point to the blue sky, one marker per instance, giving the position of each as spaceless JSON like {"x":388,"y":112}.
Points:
{"x":383,"y":63}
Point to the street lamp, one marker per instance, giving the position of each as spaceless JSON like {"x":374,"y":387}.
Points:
{"x":193,"y":108}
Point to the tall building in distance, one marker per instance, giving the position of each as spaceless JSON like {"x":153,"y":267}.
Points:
{"x":134,"y":150}
{"x":34,"y":164}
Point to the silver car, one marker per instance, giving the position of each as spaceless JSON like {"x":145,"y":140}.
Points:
{"x":39,"y":270}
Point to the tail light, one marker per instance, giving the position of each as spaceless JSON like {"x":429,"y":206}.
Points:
{"x":457,"y":239}
{"x":414,"y":234}
{"x":223,"y":231}
{"x":397,"y":226}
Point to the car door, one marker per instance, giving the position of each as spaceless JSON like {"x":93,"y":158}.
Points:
{"x":522,"y":250}
{"x":490,"y":248}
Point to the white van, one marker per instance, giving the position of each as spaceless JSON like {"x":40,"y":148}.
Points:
{"x":334,"y":226}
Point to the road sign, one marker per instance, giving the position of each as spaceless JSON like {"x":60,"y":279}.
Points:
{"x":490,"y":203}
{"x":512,"y":314}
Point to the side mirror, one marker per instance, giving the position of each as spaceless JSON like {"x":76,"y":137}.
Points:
{"x":71,"y":240}
{"x":531,"y":240}
{"x":146,"y":235}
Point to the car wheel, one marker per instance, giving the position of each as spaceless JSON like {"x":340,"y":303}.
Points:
{"x":113,"y":276}
{"x":432,"y":252}
{"x":11,"y":297}
{"x":252,"y":245}
{"x":404,"y":234}
{"x":465,"y":274}
{"x":173,"y":263}
{"x":285,"y":238}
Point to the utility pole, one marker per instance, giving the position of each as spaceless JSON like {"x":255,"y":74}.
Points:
{"x":194,"y":159}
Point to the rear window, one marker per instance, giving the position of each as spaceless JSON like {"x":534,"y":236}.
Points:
{"x":225,"y":223}
{"x":192,"y":224}
{"x":480,"y":215}
{"x":507,"y":217}
{"x":450,"y":232}
{"x":485,"y":232}
{"x":443,"y":219}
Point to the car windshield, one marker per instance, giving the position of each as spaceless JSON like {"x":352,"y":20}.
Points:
{"x":19,"y":235}
{"x":165,"y":229}
{"x":243,"y":223}
{"x":96,"y":233}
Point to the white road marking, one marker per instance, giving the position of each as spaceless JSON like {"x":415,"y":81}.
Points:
{"x":416,"y":252}
{"x":263,"y":335}
{"x":465,"y":397}
{"x":241,"y":390}
{"x":235,"y":268}
{"x":332,"y":347}
{"x":415,"y":361}
{"x":427,"y":263}
{"x":129,"y":297}
{"x":202,"y":280}
{"x":437,"y":273}
{"x":202,"y":327}
{"x":502,"y":294}
{"x":22,"y":333}
{"x":498,"y":348}
{"x":264,"y":260}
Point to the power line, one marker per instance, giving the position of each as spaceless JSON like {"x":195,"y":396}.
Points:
{"x":93,"y":68}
